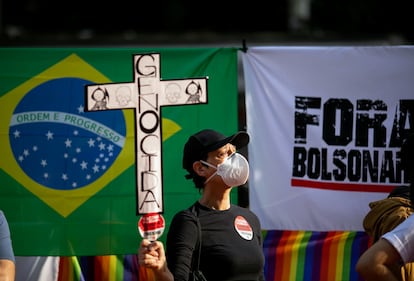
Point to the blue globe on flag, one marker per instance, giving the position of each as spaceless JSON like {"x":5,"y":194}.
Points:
{"x":56,"y":143}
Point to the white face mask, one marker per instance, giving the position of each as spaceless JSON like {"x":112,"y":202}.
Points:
{"x":234,"y":170}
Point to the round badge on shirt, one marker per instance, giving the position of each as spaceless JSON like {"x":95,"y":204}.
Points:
{"x":243,"y":228}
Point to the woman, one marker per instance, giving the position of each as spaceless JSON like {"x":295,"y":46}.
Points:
{"x":231,"y":235}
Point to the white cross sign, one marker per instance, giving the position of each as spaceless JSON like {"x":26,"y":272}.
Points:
{"x":146,"y":95}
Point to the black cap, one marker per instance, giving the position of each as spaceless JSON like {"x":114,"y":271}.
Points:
{"x":206,"y":141}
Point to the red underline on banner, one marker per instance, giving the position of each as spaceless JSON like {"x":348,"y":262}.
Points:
{"x":342,"y":186}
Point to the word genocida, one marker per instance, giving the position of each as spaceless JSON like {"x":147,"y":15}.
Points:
{"x":354,"y":145}
{"x":146,"y":95}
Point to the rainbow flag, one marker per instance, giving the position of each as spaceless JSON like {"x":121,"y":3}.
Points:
{"x":102,"y":268}
{"x":313,"y":255}
{"x":290,"y":256}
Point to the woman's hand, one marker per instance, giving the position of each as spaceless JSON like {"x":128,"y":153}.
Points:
{"x":152,"y":255}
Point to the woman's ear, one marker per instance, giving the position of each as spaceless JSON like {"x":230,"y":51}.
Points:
{"x":199,"y":168}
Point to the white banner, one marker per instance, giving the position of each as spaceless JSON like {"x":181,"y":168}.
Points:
{"x":326,"y":125}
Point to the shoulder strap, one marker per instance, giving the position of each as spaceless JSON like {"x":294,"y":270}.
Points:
{"x":197,"y":251}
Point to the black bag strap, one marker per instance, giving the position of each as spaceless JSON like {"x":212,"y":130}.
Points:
{"x":197,"y":250}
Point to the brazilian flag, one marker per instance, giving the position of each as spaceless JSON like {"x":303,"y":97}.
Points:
{"x":68,"y":189}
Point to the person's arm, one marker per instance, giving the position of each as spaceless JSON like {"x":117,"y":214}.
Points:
{"x":7,"y":270}
{"x":7,"y":265}
{"x":374,"y":264}
{"x":152,"y":255}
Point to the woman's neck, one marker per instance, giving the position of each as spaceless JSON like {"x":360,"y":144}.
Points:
{"x":216,"y":203}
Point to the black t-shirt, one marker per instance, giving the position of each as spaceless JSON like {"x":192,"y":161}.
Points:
{"x":231,"y":244}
